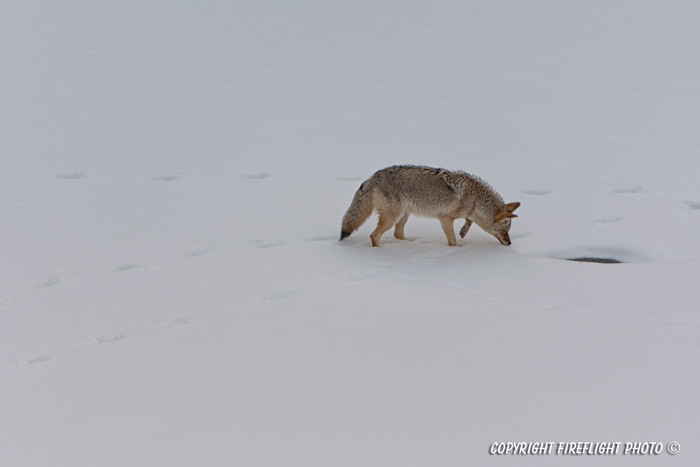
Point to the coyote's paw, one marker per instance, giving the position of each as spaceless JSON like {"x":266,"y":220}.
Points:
{"x":465,"y":228}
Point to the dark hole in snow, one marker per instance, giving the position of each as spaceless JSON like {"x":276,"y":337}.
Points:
{"x":591,"y":259}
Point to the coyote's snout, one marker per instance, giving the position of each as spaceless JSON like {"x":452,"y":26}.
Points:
{"x":401,"y":190}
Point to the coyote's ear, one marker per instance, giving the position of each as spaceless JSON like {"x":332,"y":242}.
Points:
{"x":503,"y":214}
{"x":510,"y":207}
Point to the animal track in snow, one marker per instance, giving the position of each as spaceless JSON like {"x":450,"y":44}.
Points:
{"x":536,"y":192}
{"x":41,"y":359}
{"x":693,"y":205}
{"x":632,"y":189}
{"x":258,"y":176}
{"x":607,"y":220}
{"x":73,"y":176}
{"x":197,"y":252}
{"x":202,"y":250}
{"x":50,"y":281}
{"x":112,"y":337}
{"x":262,"y":244}
{"x":281,"y":295}
{"x":165,"y":178}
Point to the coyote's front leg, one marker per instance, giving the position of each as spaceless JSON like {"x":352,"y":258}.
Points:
{"x":465,"y":228}
{"x":447,"y":227}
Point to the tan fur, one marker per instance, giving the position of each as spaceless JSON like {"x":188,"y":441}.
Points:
{"x":503,"y":215}
{"x":399,"y":191}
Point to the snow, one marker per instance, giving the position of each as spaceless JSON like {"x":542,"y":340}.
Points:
{"x":173,"y":291}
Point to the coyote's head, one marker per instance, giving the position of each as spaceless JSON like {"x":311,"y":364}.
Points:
{"x":501,"y":223}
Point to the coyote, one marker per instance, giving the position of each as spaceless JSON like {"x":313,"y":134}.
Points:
{"x":401,"y":190}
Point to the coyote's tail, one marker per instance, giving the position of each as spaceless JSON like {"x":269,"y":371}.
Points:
{"x":358,"y":212}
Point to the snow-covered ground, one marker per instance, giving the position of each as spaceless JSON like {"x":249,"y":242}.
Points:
{"x":172,"y":289}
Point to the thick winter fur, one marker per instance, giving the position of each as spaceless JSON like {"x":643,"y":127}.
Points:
{"x":401,"y":190}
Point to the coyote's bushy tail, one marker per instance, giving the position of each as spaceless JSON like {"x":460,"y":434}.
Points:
{"x":358,"y":212}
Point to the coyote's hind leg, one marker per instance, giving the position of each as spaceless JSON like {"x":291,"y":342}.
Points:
{"x":398,"y":230}
{"x":386,"y":222}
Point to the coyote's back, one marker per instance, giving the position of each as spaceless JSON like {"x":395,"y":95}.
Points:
{"x":397,"y":192}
